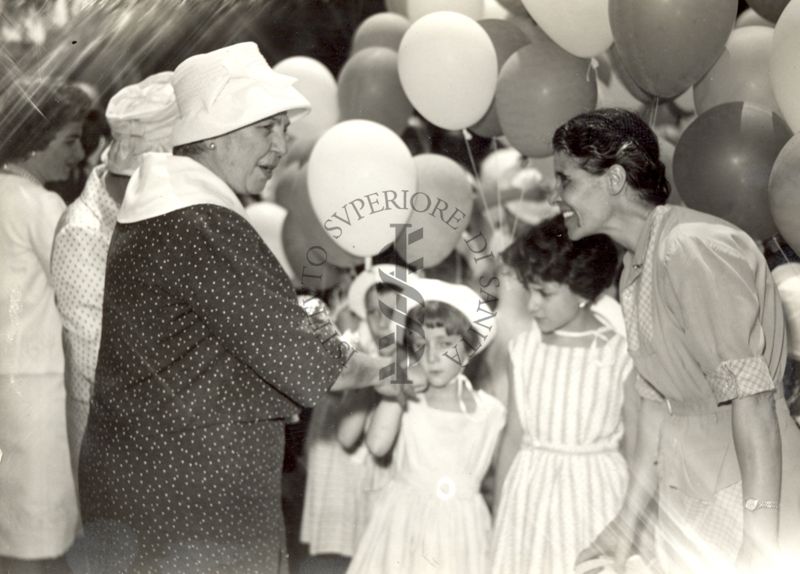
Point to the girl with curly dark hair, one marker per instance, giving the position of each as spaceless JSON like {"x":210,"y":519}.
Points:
{"x":560,"y":466}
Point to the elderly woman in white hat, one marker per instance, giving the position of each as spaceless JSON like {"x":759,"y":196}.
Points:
{"x":141,"y":118}
{"x":205,"y":353}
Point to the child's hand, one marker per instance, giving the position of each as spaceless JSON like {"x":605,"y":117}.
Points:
{"x":417,"y":381}
{"x":388,"y":389}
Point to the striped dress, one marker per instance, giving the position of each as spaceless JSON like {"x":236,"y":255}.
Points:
{"x":568,"y":479}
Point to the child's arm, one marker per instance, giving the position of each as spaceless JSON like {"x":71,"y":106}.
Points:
{"x":384,"y":426}
{"x":510,"y":441}
{"x":353,"y":412}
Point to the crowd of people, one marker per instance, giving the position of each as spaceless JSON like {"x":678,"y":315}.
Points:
{"x":154,"y":350}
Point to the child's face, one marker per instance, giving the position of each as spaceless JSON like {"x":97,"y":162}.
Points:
{"x":379,"y":324}
{"x":441,"y":354}
{"x":553,"y":305}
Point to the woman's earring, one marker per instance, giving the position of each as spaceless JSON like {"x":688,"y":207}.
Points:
{"x":212,"y":145}
{"x":32,"y":153}
{"x":583,"y":304}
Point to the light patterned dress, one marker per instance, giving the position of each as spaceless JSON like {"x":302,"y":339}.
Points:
{"x":431,"y":517}
{"x":705,"y":327}
{"x":568,"y":479}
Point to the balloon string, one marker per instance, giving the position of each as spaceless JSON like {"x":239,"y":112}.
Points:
{"x":654,"y":112}
{"x":774,"y":240}
{"x":516,"y":216}
{"x":478,"y":183}
{"x":501,"y":212}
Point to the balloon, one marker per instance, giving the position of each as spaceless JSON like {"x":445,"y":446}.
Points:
{"x":397,"y":6}
{"x":417,"y":9}
{"x":448,"y":69}
{"x":318,"y":85}
{"x":447,"y":187}
{"x":581,"y":27}
{"x":616,"y":89}
{"x":741,"y":74}
{"x":298,"y":203}
{"x":783,"y":69}
{"x":268,"y":218}
{"x":384,"y":29}
{"x":542,"y":86}
{"x":361,"y":177}
{"x":784,"y":192}
{"x":723,"y":161}
{"x":527,"y":25}
{"x":493,"y":9}
{"x":751,"y":18}
{"x":507,"y":39}
{"x":308,"y":261}
{"x":667,"y":46}
{"x":494,"y":167}
{"x":769,"y":9}
{"x":369,"y":88}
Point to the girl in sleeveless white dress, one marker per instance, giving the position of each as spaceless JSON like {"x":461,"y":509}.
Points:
{"x":560,"y":469}
{"x":431,"y":517}
{"x":343,"y":478}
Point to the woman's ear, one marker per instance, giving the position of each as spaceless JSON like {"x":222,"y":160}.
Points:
{"x":617,"y":178}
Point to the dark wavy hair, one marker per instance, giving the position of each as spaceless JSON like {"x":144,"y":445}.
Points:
{"x":546,"y":253}
{"x":608,"y":136}
{"x":33,"y":111}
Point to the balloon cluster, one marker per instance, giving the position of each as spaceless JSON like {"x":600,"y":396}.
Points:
{"x":514,"y":70}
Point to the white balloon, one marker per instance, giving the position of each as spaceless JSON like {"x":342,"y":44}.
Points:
{"x":361,"y":178}
{"x":448,"y":69}
{"x":268,"y":218}
{"x":784,"y":70}
{"x":316,"y":82}
{"x":416,"y":9}
{"x":581,"y":27}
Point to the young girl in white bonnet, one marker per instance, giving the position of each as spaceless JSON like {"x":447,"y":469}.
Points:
{"x":431,"y":516}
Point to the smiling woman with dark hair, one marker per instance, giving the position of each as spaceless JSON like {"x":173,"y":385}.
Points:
{"x":706,"y":333}
{"x":41,"y":125}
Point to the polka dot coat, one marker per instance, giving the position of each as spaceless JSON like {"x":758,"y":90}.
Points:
{"x":204,"y":355}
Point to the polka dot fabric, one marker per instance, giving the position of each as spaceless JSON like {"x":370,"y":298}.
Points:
{"x":78,"y":267}
{"x":204,"y":355}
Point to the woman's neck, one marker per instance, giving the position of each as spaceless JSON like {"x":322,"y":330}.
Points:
{"x":629,"y":220}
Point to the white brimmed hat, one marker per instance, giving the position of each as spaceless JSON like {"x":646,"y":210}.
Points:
{"x":357,"y":293}
{"x":481,"y":317}
{"x":141,"y":117}
{"x":230,"y":88}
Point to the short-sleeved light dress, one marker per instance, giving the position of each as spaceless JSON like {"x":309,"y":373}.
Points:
{"x":705,"y":326}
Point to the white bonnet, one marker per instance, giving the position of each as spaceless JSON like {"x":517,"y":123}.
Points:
{"x":361,"y":284}
{"x":141,"y":117}
{"x":464,"y":299}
